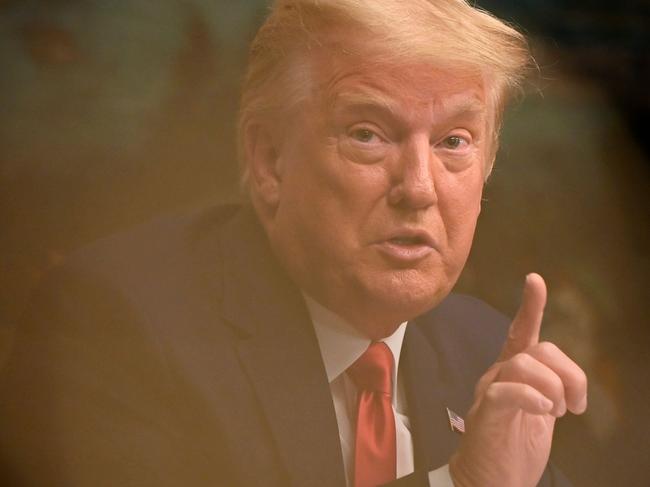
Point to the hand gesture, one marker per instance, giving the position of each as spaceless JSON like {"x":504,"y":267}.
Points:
{"x":510,"y":425}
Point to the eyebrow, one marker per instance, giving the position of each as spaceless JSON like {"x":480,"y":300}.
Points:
{"x":471,"y":106}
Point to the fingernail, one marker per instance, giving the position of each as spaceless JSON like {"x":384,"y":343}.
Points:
{"x":561,"y":410}
{"x":582,"y":405}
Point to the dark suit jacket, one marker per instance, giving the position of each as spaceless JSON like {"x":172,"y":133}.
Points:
{"x":180,"y":354}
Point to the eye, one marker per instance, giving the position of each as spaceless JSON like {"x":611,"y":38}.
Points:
{"x":454,"y":142}
{"x":364,"y":143}
{"x":364,"y":135}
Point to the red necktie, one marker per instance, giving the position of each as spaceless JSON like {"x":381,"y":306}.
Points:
{"x":375,"y":457}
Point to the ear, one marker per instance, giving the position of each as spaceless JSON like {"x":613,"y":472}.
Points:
{"x":263,"y":159}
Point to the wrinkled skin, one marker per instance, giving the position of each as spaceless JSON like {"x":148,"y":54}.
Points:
{"x":381,"y":152}
{"x":517,"y":401}
{"x":369,"y":196}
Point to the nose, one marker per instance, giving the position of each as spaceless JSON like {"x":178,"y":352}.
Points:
{"x":413,"y":182}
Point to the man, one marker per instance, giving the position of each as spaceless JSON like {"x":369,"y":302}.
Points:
{"x":308,"y":339}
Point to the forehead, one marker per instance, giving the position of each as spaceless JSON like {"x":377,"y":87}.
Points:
{"x":394,"y":86}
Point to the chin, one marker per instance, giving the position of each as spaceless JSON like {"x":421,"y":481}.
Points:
{"x":412,"y":306}
{"x":401,"y":302}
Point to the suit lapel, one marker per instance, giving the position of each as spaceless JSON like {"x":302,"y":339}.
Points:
{"x":429,"y":391}
{"x":280,"y":354}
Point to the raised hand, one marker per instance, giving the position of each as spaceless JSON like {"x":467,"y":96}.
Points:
{"x":516,"y":402}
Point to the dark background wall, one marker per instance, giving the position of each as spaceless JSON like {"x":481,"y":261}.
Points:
{"x":113,"y":112}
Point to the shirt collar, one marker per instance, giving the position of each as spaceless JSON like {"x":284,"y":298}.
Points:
{"x":341,"y":344}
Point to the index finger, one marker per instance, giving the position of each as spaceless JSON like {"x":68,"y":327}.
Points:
{"x":524,"y":329}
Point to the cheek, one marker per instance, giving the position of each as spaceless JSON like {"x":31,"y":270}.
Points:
{"x":460,"y":207}
{"x":339,"y":188}
{"x":317,"y":203}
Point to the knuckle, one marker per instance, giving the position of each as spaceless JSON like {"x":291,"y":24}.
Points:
{"x":521,"y":361}
{"x":486,"y":379}
{"x":492,"y":392}
{"x":527,"y":390}
{"x":548,"y":349}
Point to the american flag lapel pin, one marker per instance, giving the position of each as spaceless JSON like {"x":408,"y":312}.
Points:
{"x":456,"y":423}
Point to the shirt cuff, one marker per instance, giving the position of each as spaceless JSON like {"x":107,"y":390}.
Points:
{"x":440,"y":477}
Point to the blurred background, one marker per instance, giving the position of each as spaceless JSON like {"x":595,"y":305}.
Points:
{"x":112,"y":113}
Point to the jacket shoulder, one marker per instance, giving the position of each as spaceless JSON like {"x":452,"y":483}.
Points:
{"x":158,"y":244}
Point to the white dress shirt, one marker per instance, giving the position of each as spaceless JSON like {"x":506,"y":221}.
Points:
{"x":341,"y":345}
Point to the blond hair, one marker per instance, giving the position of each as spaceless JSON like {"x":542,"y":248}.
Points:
{"x":447,"y":34}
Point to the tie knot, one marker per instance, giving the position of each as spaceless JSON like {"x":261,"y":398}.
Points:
{"x":373,"y":371}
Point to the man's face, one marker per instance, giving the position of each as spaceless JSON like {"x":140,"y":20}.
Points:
{"x":380,"y":181}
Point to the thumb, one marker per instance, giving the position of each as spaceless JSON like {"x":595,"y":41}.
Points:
{"x":524,"y":330}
